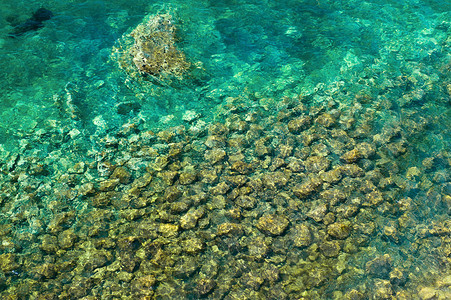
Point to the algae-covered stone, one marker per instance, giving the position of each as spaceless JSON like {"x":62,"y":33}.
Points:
{"x":61,"y":220}
{"x":230,"y":229}
{"x":220,"y":189}
{"x":108,"y":185}
{"x":308,"y":187}
{"x":428,"y":293}
{"x":87,"y":189}
{"x":189,"y":220}
{"x":374,"y":198}
{"x":103,"y":199}
{"x":253,"y":280}
{"x":122,"y":174}
{"x":398,"y":277}
{"x":246,"y":201}
{"x":298,"y":124}
{"x":258,"y":248}
{"x":275,"y":180}
{"x":49,"y":243}
{"x":351,"y":156}
{"x":215,"y":155}
{"x":354,"y":295}
{"x":392,"y":233}
{"x":315,"y":164}
{"x":168,"y":177}
{"x":187,"y":177}
{"x":8,"y":262}
{"x":302,"y":236}
{"x":46,"y":270}
{"x":205,"y":286}
{"x":66,"y":239}
{"x":352,"y":170}
{"x":168,"y":230}
{"x":330,"y":248}
{"x":382,"y":289}
{"x":172,"y":193}
{"x":331,"y":176}
{"x":326,"y":119}
{"x":261,"y":149}
{"x":94,"y":259}
{"x":339,"y":230}
{"x":397,"y":148}
{"x":295,"y":165}
{"x":190,"y":116}
{"x":193,"y":245}
{"x":214,"y":141}
{"x":241,"y":167}
{"x":143,"y":285}
{"x":239,"y":181}
{"x":285,"y":150}
{"x":318,"y":212}
{"x":142,"y":181}
{"x":272,"y":224}
{"x":186,"y":266}
{"x":160,"y":163}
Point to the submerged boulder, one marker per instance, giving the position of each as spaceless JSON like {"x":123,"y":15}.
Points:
{"x":150,"y":50}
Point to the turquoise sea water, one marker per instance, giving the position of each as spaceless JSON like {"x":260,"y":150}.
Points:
{"x":305,"y":155}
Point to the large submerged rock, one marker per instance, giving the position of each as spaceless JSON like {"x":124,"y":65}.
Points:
{"x":150,"y":50}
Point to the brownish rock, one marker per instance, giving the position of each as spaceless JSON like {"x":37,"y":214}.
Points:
{"x":339,"y":230}
{"x":315,"y":164}
{"x":143,"y":285}
{"x":330,"y":248}
{"x":241,"y":167}
{"x":351,"y":156}
{"x":220,"y":189}
{"x":66,"y":239}
{"x":318,"y":212}
{"x":205,"y":286}
{"x":302,"y":236}
{"x":187,"y":177}
{"x":8,"y":262}
{"x":189,"y":220}
{"x":230,"y":229}
{"x":298,"y":124}
{"x":325,"y":119}
{"x":215,"y":155}
{"x":122,"y":174}
{"x":272,"y":224}
{"x":311,"y":185}
{"x":246,"y":201}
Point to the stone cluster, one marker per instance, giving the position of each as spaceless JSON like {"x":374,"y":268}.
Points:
{"x":257,"y":208}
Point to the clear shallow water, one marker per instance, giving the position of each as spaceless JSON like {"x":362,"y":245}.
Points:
{"x":379,"y":70}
